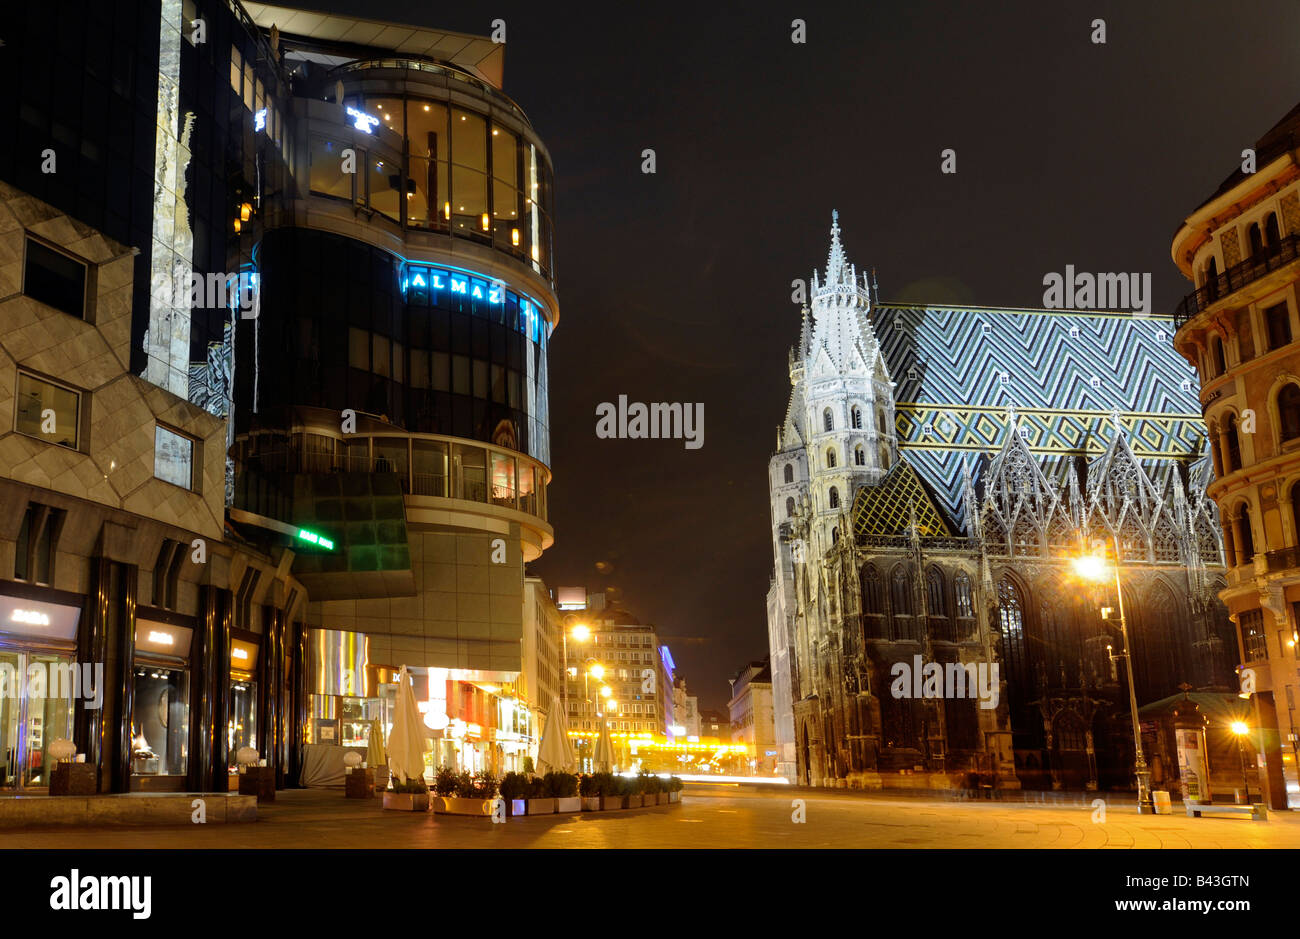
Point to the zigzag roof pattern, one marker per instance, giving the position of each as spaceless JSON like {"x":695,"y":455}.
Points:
{"x":958,"y":369}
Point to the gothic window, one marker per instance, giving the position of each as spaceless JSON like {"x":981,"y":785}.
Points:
{"x":936,"y":598}
{"x":873,"y":603}
{"x":1024,"y":536}
{"x":962,"y":723}
{"x":1255,"y":240}
{"x":859,"y":456}
{"x":1245,"y":338}
{"x":995,"y":536}
{"x":1156,"y":647}
{"x":1288,"y":410}
{"x":965,"y":603}
{"x":1232,"y":458}
{"x":1060,"y":647}
{"x":789,"y":472}
{"x":880,"y":421}
{"x":1015,"y":656}
{"x":830,"y":458}
{"x":835,"y":539}
{"x":1165,"y":542}
{"x":789,"y":508}
{"x":1207,"y":542}
{"x":857,"y":417}
{"x":835,"y":494}
{"x":900,"y":597}
{"x":828,"y":421}
{"x":884,"y":457}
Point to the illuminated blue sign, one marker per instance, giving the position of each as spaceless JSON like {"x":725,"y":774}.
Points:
{"x":259,"y":120}
{"x":364,"y":121}
{"x":423,"y":285}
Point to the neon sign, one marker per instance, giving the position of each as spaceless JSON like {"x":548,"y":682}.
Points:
{"x":313,"y":538}
{"x":364,"y":121}
{"x":31,"y":617}
{"x":259,"y":120}
{"x":161,"y":638}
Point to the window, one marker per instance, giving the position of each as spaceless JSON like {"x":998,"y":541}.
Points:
{"x":55,"y":279}
{"x":38,"y":537}
{"x":173,"y":457}
{"x":789,"y":508}
{"x":857,"y":418}
{"x":1255,"y":240}
{"x":789,"y":472}
{"x":828,"y":421}
{"x":1245,"y":337}
{"x":859,"y":456}
{"x":1288,"y":410}
{"x":326,"y":168}
{"x":1272,"y":235}
{"x":1233,"y":454}
{"x":1247,"y":535}
{"x":965,"y":605}
{"x":47,"y":411}
{"x":1277,"y":321}
{"x":830,"y":458}
{"x":834,"y":496}
{"x":1217,"y":364}
{"x":1254,"y":647}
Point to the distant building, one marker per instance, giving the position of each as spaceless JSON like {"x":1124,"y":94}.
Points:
{"x":752,"y":716}
{"x":686,"y":710}
{"x":714,"y":724}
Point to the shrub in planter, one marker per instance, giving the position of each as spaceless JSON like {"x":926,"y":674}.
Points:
{"x":485,"y":785}
{"x":514,"y":789}
{"x":561,"y":785}
{"x":413,"y":784}
{"x":651,"y":784}
{"x":588,"y":786}
{"x":445,"y":781}
{"x":631,"y":787}
{"x":409,"y":796}
{"x":609,"y":790}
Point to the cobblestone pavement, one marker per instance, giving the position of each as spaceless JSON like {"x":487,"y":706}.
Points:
{"x":713,"y":816}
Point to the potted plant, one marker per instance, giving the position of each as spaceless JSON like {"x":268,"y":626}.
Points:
{"x":540,"y":801}
{"x":589,"y":792}
{"x":611,"y":796}
{"x":653,"y":788}
{"x":409,"y":796}
{"x":565,"y":786}
{"x":674,"y":786}
{"x":514,"y":790}
{"x":445,"y":781}
{"x":474,"y":795}
{"x":632,"y":791}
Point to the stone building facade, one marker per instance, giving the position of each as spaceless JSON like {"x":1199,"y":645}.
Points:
{"x":937,"y":471}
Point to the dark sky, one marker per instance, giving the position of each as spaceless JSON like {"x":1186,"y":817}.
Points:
{"x":676,"y":286}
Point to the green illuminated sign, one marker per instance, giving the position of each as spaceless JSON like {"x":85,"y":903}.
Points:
{"x":315,"y":539}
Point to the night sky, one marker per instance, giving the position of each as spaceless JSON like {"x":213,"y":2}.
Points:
{"x":676,"y":286}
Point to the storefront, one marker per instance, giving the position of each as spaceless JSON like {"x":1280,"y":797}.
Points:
{"x":39,"y":681}
{"x":160,"y":701}
{"x":241,"y":727}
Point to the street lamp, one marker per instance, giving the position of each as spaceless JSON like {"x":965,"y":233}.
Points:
{"x":1094,"y":567}
{"x":581,"y":633}
{"x":1240,"y":729}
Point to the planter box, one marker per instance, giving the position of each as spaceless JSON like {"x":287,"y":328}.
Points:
{"x":74,"y":779}
{"x":541,"y":806}
{"x":591,"y":803}
{"x":516,"y":807}
{"x":612,"y":803}
{"x":407,"y":801}
{"x":454,"y":805}
{"x":661,"y":798}
{"x":569,"y":804}
{"x":675,"y":796}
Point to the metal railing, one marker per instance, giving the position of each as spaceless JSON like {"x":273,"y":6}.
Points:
{"x":1238,"y":276}
{"x":1282,"y":560}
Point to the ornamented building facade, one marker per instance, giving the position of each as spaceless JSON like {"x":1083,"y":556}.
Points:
{"x":935,"y":473}
{"x":1241,"y":249}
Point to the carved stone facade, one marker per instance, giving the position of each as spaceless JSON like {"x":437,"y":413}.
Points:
{"x":958,"y":551}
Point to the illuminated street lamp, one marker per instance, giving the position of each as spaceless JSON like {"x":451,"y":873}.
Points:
{"x":1241,"y":729}
{"x":581,"y":633}
{"x":1096,"y":567}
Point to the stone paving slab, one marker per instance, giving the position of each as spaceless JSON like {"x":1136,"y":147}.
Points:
{"x":707,"y":817}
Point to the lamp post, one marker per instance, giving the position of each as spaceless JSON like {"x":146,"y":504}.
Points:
{"x":1093,"y":567}
{"x":1240,"y":729}
{"x":581,"y":633}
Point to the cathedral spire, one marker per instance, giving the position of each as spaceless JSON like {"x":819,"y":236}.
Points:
{"x":835,"y":260}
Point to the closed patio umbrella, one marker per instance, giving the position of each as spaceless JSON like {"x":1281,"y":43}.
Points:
{"x":556,"y":752}
{"x":604,"y":758}
{"x":406,"y":741}
{"x":375,"y":745}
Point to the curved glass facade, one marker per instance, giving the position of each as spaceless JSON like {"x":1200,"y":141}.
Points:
{"x":432,"y":349}
{"x":460,"y":172}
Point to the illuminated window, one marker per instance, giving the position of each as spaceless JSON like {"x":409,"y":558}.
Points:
{"x":173,"y":457}
{"x":1288,"y":409}
{"x":47,"y":411}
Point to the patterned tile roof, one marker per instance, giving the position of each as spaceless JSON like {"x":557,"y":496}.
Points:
{"x":958,"y":369}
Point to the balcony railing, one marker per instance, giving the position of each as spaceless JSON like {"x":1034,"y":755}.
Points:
{"x":1237,"y":277}
{"x":1284,"y":559}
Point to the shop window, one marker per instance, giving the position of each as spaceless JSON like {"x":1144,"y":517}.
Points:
{"x":1277,"y":321}
{"x":160,"y":721}
{"x":55,"y":279}
{"x":47,"y":411}
{"x":38,"y":538}
{"x":173,"y":457}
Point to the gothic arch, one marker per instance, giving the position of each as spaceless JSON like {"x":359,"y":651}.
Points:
{"x":1284,"y":409}
{"x":788,"y":472}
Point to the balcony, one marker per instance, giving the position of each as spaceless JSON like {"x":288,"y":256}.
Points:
{"x":1237,"y":277}
{"x":1282,"y":561}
